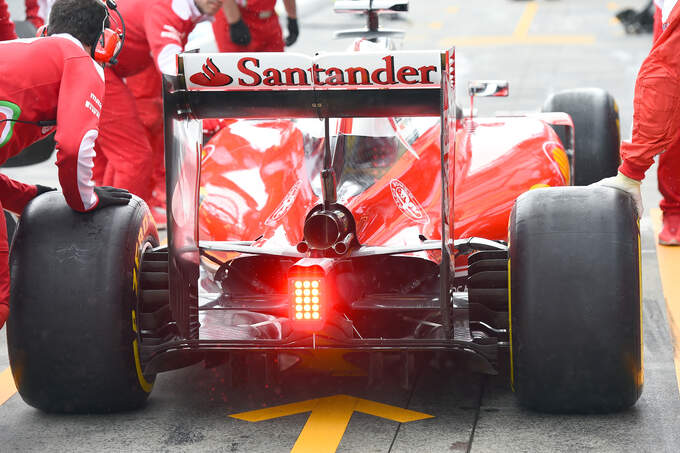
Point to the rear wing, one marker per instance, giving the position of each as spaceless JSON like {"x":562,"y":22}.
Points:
{"x":372,"y":10}
{"x":289,"y":85}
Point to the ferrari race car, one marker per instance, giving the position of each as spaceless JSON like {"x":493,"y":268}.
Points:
{"x":351,"y":206}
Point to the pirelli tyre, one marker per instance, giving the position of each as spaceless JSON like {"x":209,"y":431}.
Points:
{"x":72,"y":332}
{"x":596,"y":132}
{"x":574,"y":300}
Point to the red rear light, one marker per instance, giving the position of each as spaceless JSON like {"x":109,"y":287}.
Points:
{"x":307,"y":302}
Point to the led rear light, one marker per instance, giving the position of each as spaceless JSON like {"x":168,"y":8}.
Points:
{"x":307,"y":303}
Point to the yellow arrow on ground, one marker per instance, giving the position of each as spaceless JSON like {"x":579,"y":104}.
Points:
{"x":7,"y":387}
{"x":329,"y":418}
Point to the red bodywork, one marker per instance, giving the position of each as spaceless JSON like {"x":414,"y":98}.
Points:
{"x":255,"y":184}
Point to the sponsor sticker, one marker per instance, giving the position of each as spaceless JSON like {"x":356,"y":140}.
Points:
{"x":407,"y":203}
{"x":94,"y":108}
{"x":211,"y":76}
{"x":272,"y":71}
{"x":284,"y":206}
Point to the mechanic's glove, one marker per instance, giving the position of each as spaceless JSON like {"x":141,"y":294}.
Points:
{"x":43,"y":189}
{"x":293,"y":31}
{"x":110,"y":196}
{"x":239,"y":33}
{"x":623,"y":182}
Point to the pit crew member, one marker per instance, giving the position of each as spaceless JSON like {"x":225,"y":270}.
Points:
{"x":6,"y":24}
{"x":253,"y":26}
{"x":666,"y":172}
{"x":67,"y":86}
{"x":656,"y":126}
{"x":129,"y":141}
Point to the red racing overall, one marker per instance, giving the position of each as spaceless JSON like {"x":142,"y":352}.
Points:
{"x":657,"y":28}
{"x":263,"y":23}
{"x":656,"y":119}
{"x":6,"y":24}
{"x":156,"y":31}
{"x":66,"y":86}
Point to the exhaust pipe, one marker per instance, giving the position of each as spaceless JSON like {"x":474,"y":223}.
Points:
{"x":342,"y":247}
{"x":326,"y":227}
{"x":302,"y":247}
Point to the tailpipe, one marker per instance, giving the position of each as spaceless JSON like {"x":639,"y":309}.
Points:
{"x":342,"y":247}
{"x":326,"y":227}
{"x":331,"y":228}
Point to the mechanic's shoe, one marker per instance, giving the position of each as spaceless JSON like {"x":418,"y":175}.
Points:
{"x":159,"y":217}
{"x":670,"y":233}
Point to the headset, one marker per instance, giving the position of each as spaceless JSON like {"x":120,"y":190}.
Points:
{"x":110,"y":42}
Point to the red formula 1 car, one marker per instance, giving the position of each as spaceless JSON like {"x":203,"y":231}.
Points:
{"x":350,"y":207}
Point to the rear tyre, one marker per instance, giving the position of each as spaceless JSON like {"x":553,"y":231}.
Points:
{"x":596,"y":129}
{"x":575,"y":300}
{"x":72,"y":333}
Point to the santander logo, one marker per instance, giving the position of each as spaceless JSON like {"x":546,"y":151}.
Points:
{"x":211,"y":76}
{"x":407,"y":203}
{"x":250,"y":72}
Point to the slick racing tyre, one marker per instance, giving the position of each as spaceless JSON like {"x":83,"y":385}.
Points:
{"x":38,"y":152}
{"x":596,"y":129}
{"x":574,"y":300}
{"x":72,"y":332}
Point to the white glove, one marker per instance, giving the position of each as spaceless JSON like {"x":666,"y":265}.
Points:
{"x":623,"y":182}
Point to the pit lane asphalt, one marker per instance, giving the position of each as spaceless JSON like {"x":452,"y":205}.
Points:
{"x":540,"y":47}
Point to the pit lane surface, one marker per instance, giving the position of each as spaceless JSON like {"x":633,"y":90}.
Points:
{"x":540,"y":47}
